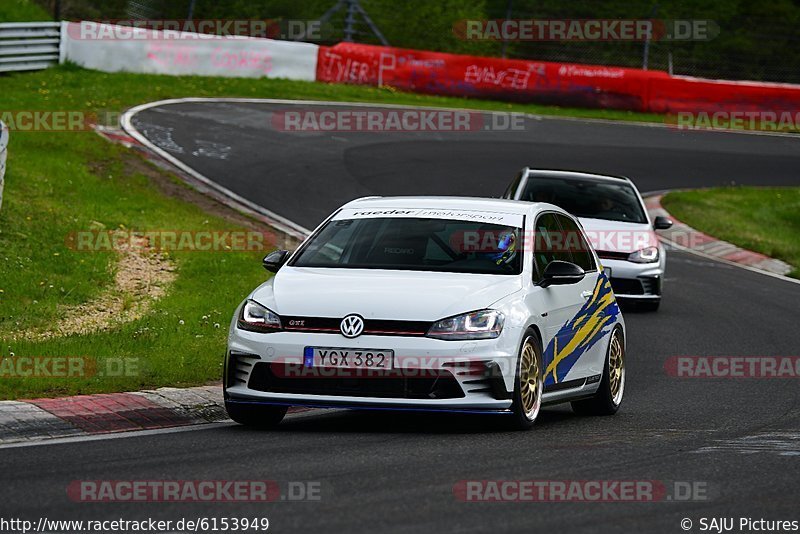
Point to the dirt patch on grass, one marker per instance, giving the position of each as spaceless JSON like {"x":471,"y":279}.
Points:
{"x":142,"y":277}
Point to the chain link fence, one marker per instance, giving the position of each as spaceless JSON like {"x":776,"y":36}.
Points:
{"x":756,"y":40}
{"x":755,"y":46}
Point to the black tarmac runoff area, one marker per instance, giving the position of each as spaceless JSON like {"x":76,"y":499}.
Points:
{"x":712,"y":448}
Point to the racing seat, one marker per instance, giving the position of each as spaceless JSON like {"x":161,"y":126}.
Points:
{"x":398,"y":250}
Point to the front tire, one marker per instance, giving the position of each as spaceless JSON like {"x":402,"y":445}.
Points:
{"x":607,"y":399}
{"x":528,"y":384}
{"x":254,"y":415}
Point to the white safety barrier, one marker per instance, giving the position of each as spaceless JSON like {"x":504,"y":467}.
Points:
{"x":112,"y":48}
{"x":3,"y":155}
{"x":28,"y":45}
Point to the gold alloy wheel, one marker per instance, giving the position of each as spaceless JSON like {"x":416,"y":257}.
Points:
{"x":616,"y":368}
{"x":530,"y":383}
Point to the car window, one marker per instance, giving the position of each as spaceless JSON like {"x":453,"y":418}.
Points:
{"x":414,"y":244}
{"x":331,"y":251}
{"x":596,"y":199}
{"x":548,"y":244}
{"x":576,"y":243}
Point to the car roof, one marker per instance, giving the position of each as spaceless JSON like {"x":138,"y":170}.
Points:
{"x":445,"y":202}
{"x":574,"y":175}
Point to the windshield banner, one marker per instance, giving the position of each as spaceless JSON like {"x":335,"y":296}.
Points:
{"x":487,"y":217}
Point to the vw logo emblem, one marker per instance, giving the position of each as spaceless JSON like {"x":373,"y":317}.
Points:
{"x":352,"y":326}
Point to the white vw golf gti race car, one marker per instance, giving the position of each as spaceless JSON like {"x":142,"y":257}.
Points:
{"x":430,"y":303}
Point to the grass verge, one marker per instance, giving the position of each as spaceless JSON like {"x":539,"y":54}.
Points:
{"x":62,"y":182}
{"x":761,"y":219}
{"x":22,"y":11}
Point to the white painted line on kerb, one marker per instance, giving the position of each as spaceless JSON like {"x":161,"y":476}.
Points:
{"x":115,"y":435}
{"x":153,"y":432}
{"x":733,"y":263}
{"x":281,"y":223}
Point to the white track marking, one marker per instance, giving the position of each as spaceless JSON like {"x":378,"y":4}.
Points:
{"x":153,"y":432}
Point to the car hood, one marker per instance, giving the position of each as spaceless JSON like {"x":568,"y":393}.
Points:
{"x":617,"y":236}
{"x":381,"y":294}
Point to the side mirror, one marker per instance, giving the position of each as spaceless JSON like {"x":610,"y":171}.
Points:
{"x":662,"y":223}
{"x":275,"y":260}
{"x":561,"y":273}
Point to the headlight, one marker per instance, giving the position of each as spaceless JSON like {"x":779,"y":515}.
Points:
{"x":646,"y":255}
{"x":484,"y":324}
{"x":256,"y":318}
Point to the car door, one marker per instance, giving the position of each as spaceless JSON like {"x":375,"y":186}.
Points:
{"x":581,"y":351}
{"x":559,"y":304}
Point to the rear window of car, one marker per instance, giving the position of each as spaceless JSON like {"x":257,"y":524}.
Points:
{"x":416,"y":244}
{"x":594,"y":199}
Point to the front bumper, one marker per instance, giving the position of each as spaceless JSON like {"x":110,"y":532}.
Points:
{"x":635,"y":280}
{"x":428,"y":374}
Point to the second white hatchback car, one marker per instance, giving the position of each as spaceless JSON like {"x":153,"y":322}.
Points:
{"x":613,"y":214}
{"x":430,"y":303}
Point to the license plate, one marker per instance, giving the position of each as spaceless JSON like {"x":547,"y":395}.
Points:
{"x":349,"y":358}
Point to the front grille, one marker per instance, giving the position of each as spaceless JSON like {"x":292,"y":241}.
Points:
{"x":375,"y":327}
{"x":239,"y":367}
{"x":396,"y":383}
{"x":627,"y":286}
{"x":610,"y":255}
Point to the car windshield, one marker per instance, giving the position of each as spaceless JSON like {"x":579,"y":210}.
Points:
{"x":594,"y":199}
{"x":415,"y":244}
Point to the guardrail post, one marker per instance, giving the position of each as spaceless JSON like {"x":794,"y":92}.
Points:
{"x":62,"y":49}
{"x":3,"y":158}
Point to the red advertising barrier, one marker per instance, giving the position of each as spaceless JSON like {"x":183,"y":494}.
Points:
{"x":545,"y":82}
{"x":485,"y":77}
{"x":678,"y":93}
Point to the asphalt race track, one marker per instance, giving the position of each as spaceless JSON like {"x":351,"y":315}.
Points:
{"x":303,"y":176}
{"x":379,"y":472}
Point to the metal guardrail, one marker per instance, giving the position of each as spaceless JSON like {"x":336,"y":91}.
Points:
{"x":3,"y":155}
{"x":29,"y":45}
